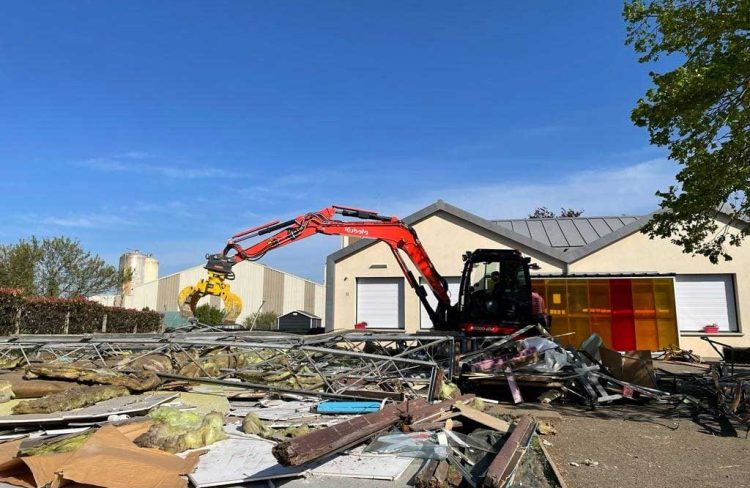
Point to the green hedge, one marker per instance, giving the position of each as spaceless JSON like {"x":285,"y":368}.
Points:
{"x":44,"y":315}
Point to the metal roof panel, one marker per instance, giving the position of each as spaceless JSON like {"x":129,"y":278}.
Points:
{"x":588,"y":234}
{"x":556,"y":236}
{"x":536,"y":229}
{"x":572,"y":235}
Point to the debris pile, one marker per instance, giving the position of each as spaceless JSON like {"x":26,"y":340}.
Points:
{"x":363,"y":405}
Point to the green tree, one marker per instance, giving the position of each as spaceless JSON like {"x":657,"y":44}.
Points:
{"x":261,"y":321}
{"x":57,"y":267}
{"x":209,"y":315}
{"x":698,"y":108}
{"x":18,"y":265}
{"x":545,"y":213}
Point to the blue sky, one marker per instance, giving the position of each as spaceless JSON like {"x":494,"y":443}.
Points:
{"x":168,"y":126}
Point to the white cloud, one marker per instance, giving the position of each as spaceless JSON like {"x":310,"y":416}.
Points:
{"x":175,"y":171}
{"x":610,"y":191}
{"x":87,"y":221}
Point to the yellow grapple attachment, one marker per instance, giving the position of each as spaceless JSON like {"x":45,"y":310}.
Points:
{"x":215,"y":285}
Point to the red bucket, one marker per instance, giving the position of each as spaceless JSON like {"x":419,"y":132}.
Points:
{"x":711,"y":329}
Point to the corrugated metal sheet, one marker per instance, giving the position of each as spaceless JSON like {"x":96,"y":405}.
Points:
{"x":166,"y":297}
{"x":294,"y":294}
{"x":320,"y":302}
{"x":273,"y":291}
{"x":567,"y":232}
{"x":248,"y":285}
{"x":309,"y":297}
{"x":144,"y":296}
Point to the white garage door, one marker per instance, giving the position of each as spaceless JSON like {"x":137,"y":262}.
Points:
{"x":705,"y":299}
{"x":454,"y":283}
{"x":380,"y":302}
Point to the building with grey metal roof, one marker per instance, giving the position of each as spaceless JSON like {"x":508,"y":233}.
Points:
{"x":567,"y":232}
{"x":596,"y":274}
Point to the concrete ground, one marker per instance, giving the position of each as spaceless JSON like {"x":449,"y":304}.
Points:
{"x":646,"y":447}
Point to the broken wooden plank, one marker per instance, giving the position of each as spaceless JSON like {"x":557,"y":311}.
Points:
{"x":316,"y":444}
{"x":516,"y":412}
{"x":483,"y":418}
{"x":510,"y":454}
{"x":425,"y":474}
{"x":553,"y":466}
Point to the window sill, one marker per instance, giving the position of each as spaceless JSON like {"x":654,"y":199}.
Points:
{"x":715,"y":334}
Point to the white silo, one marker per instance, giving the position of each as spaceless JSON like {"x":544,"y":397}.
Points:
{"x":145,"y":268}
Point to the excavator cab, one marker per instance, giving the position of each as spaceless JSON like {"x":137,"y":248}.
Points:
{"x":495,"y":292}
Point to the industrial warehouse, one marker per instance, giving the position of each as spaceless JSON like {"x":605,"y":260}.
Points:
{"x":261,"y":289}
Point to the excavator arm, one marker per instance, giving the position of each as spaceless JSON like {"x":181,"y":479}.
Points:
{"x":399,"y":237}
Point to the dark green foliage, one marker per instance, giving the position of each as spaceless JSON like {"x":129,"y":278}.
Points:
{"x":46,"y":315}
{"x":206,"y":314}
{"x":18,"y":265}
{"x":122,"y":320}
{"x":11,"y":301}
{"x":545,"y":213}
{"x":263,"y":321}
{"x":56,"y":267}
{"x":699,"y":109}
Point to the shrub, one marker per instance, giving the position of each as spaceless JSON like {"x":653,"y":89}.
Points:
{"x":264,"y":321}
{"x":123,"y":320}
{"x":206,"y":314}
{"x":11,"y":301}
{"x":46,"y":315}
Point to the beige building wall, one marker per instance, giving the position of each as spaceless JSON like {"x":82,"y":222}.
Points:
{"x":445,"y":237}
{"x":636,"y":253}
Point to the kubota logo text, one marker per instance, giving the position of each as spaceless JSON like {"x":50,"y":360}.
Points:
{"x":352,"y":230}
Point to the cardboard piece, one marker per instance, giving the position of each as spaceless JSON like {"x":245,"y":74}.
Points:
{"x":108,"y":459}
{"x":638,"y":368}
{"x":634,"y":367}
{"x":111,"y":460}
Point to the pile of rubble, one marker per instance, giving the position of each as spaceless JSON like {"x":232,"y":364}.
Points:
{"x":218,"y":409}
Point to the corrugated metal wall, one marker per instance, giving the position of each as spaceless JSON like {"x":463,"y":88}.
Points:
{"x":320,"y":301}
{"x":294,"y":293}
{"x":273,"y":291}
{"x":166,"y":298}
{"x":310,"y":298}
{"x":254,"y":283}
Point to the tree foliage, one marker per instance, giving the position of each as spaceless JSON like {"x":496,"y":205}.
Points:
{"x":209,"y":315}
{"x":18,"y":265}
{"x":698,"y":110}
{"x":56,"y":267}
{"x":545,"y":213}
{"x":261,"y":321}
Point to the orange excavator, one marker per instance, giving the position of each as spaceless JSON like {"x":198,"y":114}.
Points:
{"x":495,"y":288}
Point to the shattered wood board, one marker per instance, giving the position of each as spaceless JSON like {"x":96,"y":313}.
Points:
{"x":121,"y":405}
{"x":239,"y":459}
{"x":355,"y":464}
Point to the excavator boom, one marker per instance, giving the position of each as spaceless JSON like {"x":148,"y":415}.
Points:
{"x":367,"y":224}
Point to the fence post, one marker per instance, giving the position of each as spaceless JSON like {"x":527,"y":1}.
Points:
{"x":67,"y":322}
{"x":104,"y":323}
{"x":18,"y":320}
